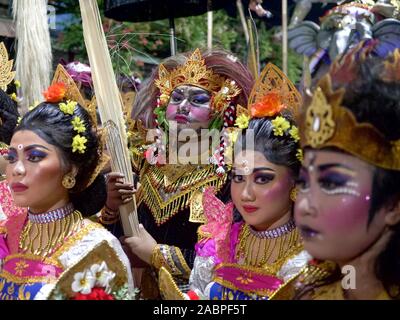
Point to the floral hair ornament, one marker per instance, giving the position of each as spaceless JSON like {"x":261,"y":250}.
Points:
{"x":56,"y":93}
{"x":64,"y":91}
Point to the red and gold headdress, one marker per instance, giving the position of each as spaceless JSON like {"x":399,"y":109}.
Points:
{"x":327,"y":123}
{"x":272,"y":93}
{"x":66,"y":93}
{"x":195,"y":72}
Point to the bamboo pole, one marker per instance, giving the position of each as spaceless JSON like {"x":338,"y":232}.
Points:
{"x":210,"y":17}
{"x":110,"y":105}
{"x":239,"y":5}
{"x":284,"y":37}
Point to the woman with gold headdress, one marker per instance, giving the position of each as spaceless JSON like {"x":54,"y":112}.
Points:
{"x":10,"y":215}
{"x":54,"y":159}
{"x":347,"y":208}
{"x":187,"y":93}
{"x":249,"y":257}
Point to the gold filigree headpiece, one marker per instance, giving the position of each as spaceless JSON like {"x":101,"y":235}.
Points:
{"x":195,"y":72}
{"x":329,"y":124}
{"x":73,"y":93}
{"x":6,"y":73}
{"x":273,"y":84}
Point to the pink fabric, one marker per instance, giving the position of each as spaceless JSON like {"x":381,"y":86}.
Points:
{"x":16,"y":217}
{"x":4,"y":252}
{"x":235,"y":231}
{"x":28,"y":268}
{"x":247,"y":280}
{"x":219,"y":219}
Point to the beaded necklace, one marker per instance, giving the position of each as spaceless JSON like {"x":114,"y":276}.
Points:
{"x":44,"y":233}
{"x":283,"y":238}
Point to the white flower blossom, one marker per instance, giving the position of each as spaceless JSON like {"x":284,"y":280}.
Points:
{"x":102,"y":275}
{"x":83,"y":282}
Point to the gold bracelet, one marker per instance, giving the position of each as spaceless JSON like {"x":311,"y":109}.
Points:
{"x":157,"y":258}
{"x":103,"y":217}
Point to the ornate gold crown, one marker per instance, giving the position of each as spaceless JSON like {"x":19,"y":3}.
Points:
{"x":328,"y":124}
{"x":6,"y":73}
{"x":193,"y":72}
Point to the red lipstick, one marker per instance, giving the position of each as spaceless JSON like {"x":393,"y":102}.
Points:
{"x":250,"y":209}
{"x":18,"y":187}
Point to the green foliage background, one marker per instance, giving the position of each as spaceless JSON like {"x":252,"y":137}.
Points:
{"x":136,"y":47}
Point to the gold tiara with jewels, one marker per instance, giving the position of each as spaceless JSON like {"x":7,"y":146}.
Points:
{"x":193,"y":72}
{"x":326,"y":123}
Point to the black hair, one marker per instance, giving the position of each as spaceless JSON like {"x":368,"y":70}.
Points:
{"x":54,"y":126}
{"x":280,"y":150}
{"x":377,"y":101}
{"x":9,"y":117}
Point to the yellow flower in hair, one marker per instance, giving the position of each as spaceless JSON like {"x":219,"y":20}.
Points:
{"x":299,"y":155}
{"x":294,"y":133}
{"x":79,"y":144}
{"x":69,"y":107}
{"x":78,"y":125}
{"x":17,"y":84}
{"x":13,"y":96}
{"x":242,"y":121}
{"x":280,"y":125}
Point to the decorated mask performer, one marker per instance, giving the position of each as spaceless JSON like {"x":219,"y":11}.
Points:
{"x":188,"y":93}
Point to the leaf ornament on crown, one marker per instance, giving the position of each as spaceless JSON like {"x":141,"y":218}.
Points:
{"x":193,"y":72}
{"x":6,"y":73}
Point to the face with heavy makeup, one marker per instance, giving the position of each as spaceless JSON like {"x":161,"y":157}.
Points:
{"x":190,"y":107}
{"x":260,"y":190}
{"x":35,"y":173}
{"x":333,"y":205}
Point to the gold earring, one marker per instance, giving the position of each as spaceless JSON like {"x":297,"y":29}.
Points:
{"x":68,"y":181}
{"x":293,"y":194}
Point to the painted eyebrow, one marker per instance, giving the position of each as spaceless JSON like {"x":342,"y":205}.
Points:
{"x":255,"y":169}
{"x":199,"y":92}
{"x":327,"y":166}
{"x":32,"y":146}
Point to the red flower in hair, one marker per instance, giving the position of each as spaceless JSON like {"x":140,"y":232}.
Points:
{"x":96,"y":294}
{"x":55,"y":93}
{"x":269,"y":106}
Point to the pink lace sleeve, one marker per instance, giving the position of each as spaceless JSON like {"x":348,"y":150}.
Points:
{"x":16,"y":217}
{"x":218,"y":227}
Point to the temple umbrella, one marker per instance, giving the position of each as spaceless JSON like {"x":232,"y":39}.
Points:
{"x":150,"y":10}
